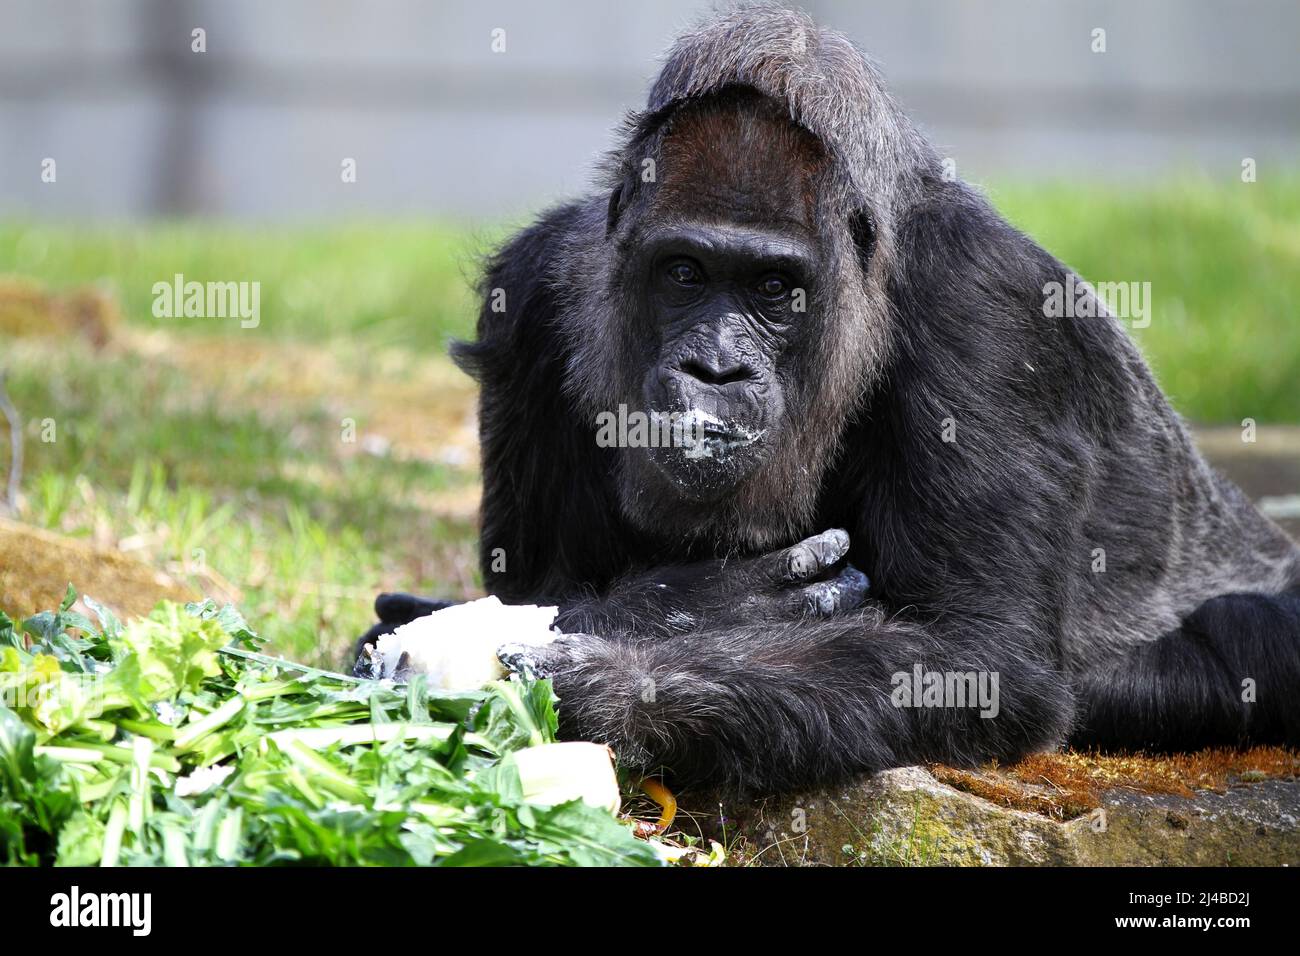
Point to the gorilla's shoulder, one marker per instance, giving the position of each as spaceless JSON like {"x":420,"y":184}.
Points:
{"x":535,"y":245}
{"x":974,"y":238}
{"x":518,"y":293}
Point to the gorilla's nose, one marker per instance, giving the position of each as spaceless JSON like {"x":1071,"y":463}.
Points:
{"x":716,"y":370}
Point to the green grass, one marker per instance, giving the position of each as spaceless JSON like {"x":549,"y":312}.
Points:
{"x":221,"y":476}
{"x":216,"y":491}
{"x":396,"y":284}
{"x":1224,"y":266}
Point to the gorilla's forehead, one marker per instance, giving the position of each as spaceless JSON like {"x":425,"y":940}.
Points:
{"x":745,"y":162}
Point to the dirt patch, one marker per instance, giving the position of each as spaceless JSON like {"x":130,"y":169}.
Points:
{"x":36,"y":567}
{"x":1066,"y":785}
{"x":399,"y":405}
{"x":28,"y":310}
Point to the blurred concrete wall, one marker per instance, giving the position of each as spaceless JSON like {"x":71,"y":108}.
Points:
{"x":438,"y":123}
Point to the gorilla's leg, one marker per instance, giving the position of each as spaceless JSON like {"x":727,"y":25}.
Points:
{"x":1227,"y":676}
{"x":766,"y":707}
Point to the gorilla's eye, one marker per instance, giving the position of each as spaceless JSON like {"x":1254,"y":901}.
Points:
{"x":774,"y":287}
{"x":683,"y":273}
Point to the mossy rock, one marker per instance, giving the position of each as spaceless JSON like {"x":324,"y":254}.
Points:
{"x":910,"y":817}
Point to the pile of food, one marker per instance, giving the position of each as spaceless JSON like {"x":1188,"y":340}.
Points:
{"x":170,"y":740}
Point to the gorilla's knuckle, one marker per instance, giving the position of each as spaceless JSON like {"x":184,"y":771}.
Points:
{"x":820,"y":600}
{"x":800,"y":563}
{"x":837,"y":542}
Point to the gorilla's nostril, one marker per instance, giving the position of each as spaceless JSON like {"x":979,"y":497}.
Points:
{"x":716,"y":374}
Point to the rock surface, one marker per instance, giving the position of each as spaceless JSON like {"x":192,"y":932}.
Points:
{"x":908,"y":817}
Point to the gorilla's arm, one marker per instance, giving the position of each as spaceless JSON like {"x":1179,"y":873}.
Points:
{"x":806,"y":580}
{"x":766,"y":707}
{"x":809,"y":579}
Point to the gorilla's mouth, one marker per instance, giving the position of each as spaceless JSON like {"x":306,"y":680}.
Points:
{"x":721,"y":434}
{"x":710,"y":456}
{"x":719,"y":441}
{"x":704,"y":435}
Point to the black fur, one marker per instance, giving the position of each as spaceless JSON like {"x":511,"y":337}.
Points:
{"x":1187,"y":687}
{"x":980,"y":551}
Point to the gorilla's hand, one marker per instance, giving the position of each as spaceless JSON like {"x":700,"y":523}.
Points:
{"x":794,"y":582}
{"x":799,"y":578}
{"x":399,"y":609}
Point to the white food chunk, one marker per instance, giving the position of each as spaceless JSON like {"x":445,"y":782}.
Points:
{"x":551,"y":774}
{"x":457,"y":646}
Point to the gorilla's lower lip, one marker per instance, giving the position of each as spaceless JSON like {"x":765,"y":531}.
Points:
{"x":715,"y":442}
{"x":704,"y":427}
{"x":728,"y":434}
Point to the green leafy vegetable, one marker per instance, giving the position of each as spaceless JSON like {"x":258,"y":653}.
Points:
{"x":171,"y":740}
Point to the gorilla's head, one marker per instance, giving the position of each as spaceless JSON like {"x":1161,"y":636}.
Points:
{"x":724,"y":266}
{"x":737,"y":268}
{"x":732,"y":301}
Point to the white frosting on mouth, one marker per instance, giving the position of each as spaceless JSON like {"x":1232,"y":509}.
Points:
{"x":704,"y":435}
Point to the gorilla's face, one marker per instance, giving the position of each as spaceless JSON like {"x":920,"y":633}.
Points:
{"x":734,"y":303}
{"x":727,"y":301}
{"x":722,"y":262}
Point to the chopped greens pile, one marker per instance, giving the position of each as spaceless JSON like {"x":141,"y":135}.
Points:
{"x":171,"y":741}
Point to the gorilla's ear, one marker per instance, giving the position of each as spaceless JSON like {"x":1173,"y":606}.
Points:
{"x":620,"y":198}
{"x":616,"y":204}
{"x":862,"y":227}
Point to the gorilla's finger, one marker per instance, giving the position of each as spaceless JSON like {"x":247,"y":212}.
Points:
{"x":403,"y":608}
{"x":844,"y":592}
{"x":810,"y":557}
{"x":538,"y":660}
{"x":362,"y":663}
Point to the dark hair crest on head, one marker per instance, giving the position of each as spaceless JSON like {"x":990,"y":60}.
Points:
{"x":824,"y":81}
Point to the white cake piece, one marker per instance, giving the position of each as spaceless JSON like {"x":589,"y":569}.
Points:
{"x":457,"y":646}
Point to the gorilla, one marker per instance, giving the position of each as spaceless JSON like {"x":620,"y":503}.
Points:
{"x":906,"y":479}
